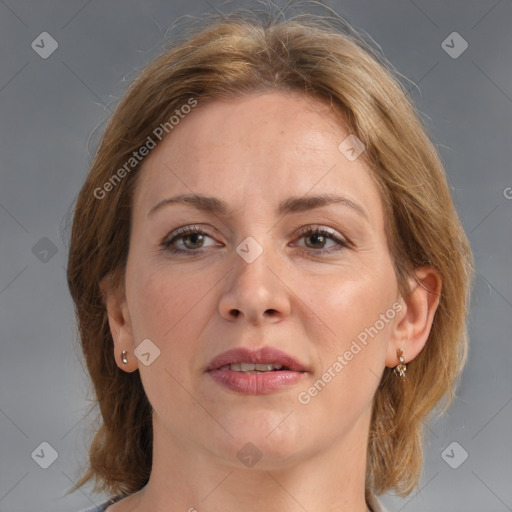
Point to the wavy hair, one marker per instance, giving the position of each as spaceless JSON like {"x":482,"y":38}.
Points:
{"x":224,"y":57}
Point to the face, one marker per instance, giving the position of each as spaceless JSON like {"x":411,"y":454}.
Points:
{"x":249,"y":276}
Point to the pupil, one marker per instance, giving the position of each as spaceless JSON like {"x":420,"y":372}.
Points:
{"x":195,"y":235}
{"x":316,"y":237}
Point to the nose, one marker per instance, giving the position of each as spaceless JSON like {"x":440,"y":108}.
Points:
{"x":255,"y":292}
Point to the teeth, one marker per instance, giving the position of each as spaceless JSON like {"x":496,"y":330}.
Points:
{"x":252,"y":367}
{"x":267,"y":367}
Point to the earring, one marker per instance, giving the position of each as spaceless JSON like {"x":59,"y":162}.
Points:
{"x":400,"y":368}
{"x":123,"y":357}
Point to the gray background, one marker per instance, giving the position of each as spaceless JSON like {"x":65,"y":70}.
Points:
{"x":48,"y":111}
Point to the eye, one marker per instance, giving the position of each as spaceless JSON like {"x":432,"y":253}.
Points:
{"x":319,"y":237}
{"x":192,"y":239}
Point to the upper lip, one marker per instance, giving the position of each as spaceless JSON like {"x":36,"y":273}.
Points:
{"x":263,"y":355}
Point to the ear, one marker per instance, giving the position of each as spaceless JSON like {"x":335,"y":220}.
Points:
{"x":119,"y":321}
{"x":412,"y":328}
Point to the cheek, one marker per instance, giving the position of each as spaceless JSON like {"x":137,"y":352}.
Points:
{"x":350,"y":302}
{"x":171,"y":312}
{"x":164,"y":302}
{"x":356,"y":322}
{"x":350,"y":361}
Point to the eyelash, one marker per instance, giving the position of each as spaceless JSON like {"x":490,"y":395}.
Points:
{"x":304,"y":232}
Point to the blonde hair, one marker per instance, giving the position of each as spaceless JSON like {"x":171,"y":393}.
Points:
{"x":237,"y":55}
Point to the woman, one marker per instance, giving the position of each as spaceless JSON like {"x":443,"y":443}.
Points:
{"x":270,"y":277}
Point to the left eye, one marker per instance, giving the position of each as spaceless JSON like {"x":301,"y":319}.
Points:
{"x":192,"y":240}
{"x":320,"y":236}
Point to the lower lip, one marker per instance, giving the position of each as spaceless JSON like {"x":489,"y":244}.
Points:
{"x":255,"y":383}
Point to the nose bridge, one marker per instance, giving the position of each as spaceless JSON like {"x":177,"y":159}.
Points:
{"x":254,"y":291}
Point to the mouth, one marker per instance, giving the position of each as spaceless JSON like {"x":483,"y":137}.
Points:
{"x":255,"y":367}
{"x":266,"y":359}
{"x":256,"y":372}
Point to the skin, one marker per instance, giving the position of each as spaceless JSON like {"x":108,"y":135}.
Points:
{"x":252,"y":153}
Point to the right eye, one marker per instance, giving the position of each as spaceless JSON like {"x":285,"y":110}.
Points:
{"x":191,"y":238}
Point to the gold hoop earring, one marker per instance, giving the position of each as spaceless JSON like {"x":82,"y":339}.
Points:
{"x":123,"y":357}
{"x":401,"y":367}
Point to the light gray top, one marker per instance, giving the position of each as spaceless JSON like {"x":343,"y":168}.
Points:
{"x":102,"y":506}
{"x":375,"y":504}
{"x":99,"y":508}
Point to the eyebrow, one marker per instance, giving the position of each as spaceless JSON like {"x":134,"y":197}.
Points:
{"x":290,"y":205}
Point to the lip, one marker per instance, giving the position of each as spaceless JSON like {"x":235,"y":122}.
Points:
{"x":256,"y":383}
{"x":262,"y":355}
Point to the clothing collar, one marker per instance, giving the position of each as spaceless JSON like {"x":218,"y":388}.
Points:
{"x":373,"y":502}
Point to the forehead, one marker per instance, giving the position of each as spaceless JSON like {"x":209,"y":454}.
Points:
{"x":268,"y":146}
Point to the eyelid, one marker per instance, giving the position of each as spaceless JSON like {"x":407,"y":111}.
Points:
{"x":341,"y":241}
{"x":183,"y":231}
{"x":304,"y":230}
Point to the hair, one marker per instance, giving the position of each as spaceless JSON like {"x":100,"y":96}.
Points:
{"x":324,"y":58}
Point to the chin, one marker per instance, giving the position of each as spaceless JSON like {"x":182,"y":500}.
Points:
{"x":261,"y":442}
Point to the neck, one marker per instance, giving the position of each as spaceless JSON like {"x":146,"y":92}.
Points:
{"x":186,"y":477}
